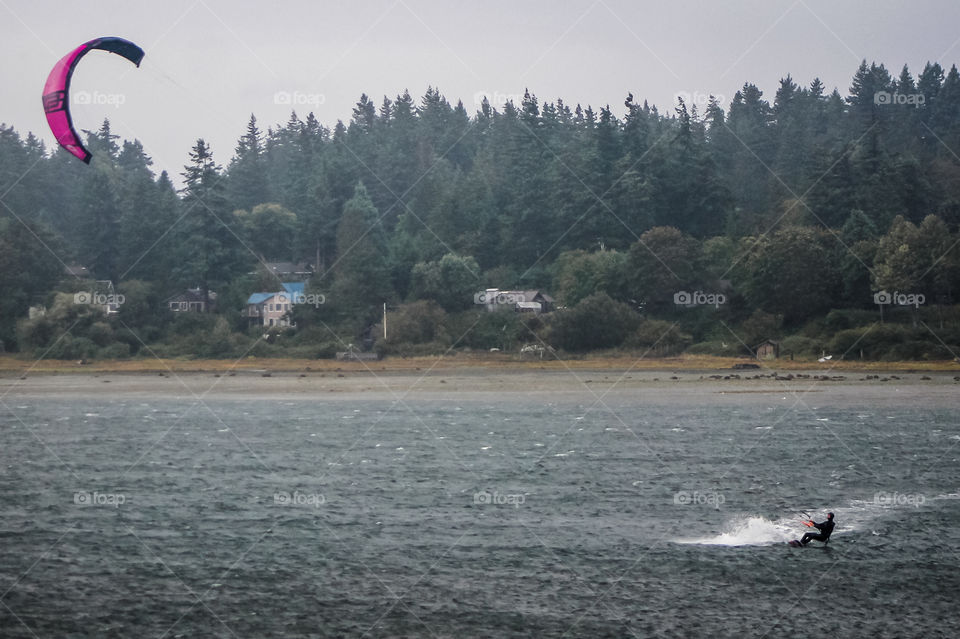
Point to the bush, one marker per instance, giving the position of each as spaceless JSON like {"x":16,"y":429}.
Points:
{"x":659,"y":338}
{"x":117,"y":350}
{"x":416,"y":323}
{"x":327,"y":350}
{"x":596,"y":322}
{"x":484,"y":330}
{"x":190,"y":324}
{"x":801,"y":346}
{"x":888,"y":342}
{"x":915,"y":350}
{"x":69,"y":347}
{"x":406,"y":349}
{"x":841,"y":319}
{"x":101,"y":333}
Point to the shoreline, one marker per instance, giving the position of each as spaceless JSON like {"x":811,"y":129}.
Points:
{"x":481,"y":383}
{"x":466,"y":363}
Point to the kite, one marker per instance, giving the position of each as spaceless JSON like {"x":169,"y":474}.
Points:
{"x":56,"y":92}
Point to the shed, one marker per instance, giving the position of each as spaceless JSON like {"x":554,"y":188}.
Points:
{"x":767,"y":349}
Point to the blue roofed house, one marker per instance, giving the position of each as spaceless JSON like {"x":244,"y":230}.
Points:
{"x":272,"y":309}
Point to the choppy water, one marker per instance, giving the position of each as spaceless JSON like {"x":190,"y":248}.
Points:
{"x":523,"y":515}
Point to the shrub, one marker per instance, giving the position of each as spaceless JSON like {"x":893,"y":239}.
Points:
{"x":659,"y":338}
{"x":801,"y":346}
{"x":485,"y":330}
{"x":596,"y":322}
{"x":841,"y":319}
{"x":69,"y":347}
{"x":117,"y":350}
{"x":416,"y":323}
{"x":101,"y":333}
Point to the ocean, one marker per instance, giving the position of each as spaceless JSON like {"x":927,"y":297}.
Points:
{"x":654,"y":512}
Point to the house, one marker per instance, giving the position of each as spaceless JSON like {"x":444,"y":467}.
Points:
{"x":767,"y":349}
{"x":272,"y":309}
{"x":520,"y":301}
{"x":192,"y":301}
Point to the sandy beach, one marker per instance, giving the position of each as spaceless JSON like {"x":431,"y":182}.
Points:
{"x":381,"y":380}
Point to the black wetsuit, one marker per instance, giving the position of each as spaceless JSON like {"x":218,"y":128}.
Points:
{"x":825,"y":528}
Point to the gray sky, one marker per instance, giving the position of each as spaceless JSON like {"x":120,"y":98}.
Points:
{"x":210,"y":64}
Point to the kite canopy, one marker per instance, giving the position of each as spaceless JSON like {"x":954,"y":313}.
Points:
{"x":56,"y":92}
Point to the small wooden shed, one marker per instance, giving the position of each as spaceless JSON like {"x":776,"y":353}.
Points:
{"x":767,"y":349}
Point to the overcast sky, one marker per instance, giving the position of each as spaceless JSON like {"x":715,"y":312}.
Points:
{"x":210,"y":64}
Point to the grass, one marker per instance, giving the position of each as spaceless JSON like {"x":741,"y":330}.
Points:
{"x":493,"y":361}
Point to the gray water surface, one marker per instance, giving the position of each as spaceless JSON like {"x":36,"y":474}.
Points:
{"x":473,"y":515}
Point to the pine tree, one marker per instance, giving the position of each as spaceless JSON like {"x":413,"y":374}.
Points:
{"x":246,"y":178}
{"x":361,"y":275}
{"x":209,"y":250}
{"x":98,"y":241}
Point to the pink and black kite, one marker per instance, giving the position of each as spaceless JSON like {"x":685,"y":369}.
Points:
{"x":56,"y":92}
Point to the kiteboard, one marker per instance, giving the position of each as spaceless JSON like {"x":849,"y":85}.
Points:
{"x":795,"y":543}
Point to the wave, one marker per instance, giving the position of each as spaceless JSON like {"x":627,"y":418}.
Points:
{"x":749,"y":531}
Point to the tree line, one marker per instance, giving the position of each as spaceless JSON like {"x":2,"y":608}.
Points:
{"x":795,"y":211}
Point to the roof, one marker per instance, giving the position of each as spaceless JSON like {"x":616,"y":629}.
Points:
{"x":294,"y":289}
{"x":531,"y":295}
{"x":259,"y":298}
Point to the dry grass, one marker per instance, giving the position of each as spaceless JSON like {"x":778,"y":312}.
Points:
{"x":492,"y":361}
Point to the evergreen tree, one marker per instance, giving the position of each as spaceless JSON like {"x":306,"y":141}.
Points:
{"x":247,"y":176}
{"x":361,"y":276}
{"x":209,"y":250}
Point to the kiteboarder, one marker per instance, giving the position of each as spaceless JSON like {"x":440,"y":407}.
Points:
{"x":825,"y":528}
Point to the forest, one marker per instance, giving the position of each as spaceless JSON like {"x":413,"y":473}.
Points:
{"x":826,"y":223}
